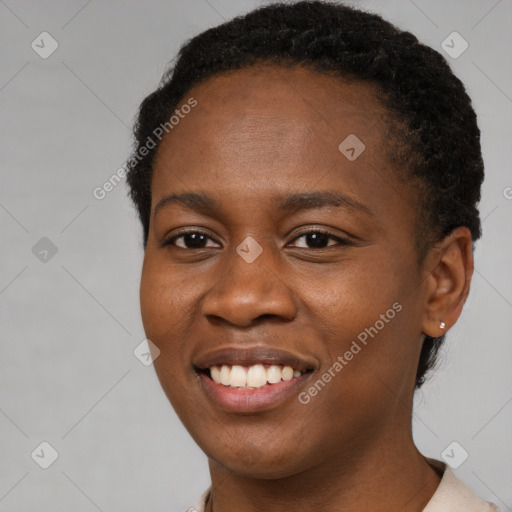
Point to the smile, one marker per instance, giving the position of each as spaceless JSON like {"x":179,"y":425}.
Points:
{"x":252,"y":377}
{"x":248,"y":380}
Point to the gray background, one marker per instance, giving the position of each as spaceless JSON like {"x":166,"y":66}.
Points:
{"x":69,"y":324}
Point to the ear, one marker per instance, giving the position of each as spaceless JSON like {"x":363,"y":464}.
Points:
{"x":449,"y":267}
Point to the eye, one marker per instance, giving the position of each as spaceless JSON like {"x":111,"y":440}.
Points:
{"x":313,"y":239}
{"x":319,"y":239}
{"x":190,"y":240}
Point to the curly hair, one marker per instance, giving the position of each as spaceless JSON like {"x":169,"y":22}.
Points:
{"x":431,"y":119}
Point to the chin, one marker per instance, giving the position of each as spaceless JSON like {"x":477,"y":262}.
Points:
{"x":264,"y":460}
{"x":259,"y":466}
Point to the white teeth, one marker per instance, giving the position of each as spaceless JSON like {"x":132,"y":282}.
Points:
{"x":224,"y":375}
{"x":287,"y":373}
{"x":274,"y":374}
{"x":215,"y":373}
{"x":238,"y":376}
{"x":256,"y":376}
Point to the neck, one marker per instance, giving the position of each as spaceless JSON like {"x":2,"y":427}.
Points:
{"x":391,"y":476}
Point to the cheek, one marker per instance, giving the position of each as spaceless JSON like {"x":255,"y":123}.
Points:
{"x":152,"y":299}
{"x":366,"y":316}
{"x":163,"y":304}
{"x":166,"y":314}
{"x":352,"y":296}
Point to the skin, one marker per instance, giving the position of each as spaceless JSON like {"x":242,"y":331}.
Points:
{"x":257,"y":134}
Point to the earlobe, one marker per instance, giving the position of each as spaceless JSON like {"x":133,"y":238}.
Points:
{"x":447,"y":282}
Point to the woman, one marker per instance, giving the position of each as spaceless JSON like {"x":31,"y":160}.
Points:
{"x":307,"y":177}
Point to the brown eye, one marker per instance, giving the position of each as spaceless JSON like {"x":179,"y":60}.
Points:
{"x":190,"y":240}
{"x":317,"y":239}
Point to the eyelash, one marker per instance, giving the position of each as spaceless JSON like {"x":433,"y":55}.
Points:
{"x":340,"y":240}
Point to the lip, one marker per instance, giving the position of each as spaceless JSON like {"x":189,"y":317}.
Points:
{"x":267,"y":397}
{"x":247,"y":356}
{"x":237,"y":400}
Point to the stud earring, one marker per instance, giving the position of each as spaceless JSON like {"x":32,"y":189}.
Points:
{"x":442,"y":325}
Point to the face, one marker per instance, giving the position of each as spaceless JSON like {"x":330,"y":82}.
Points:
{"x":271,"y":247}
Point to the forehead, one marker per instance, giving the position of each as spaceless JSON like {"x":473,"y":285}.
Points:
{"x":272,"y":123}
{"x":303,"y":87}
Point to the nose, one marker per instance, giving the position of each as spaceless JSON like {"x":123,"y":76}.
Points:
{"x":247,"y":291}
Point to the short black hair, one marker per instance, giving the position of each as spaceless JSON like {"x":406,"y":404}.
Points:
{"x":431,"y":119}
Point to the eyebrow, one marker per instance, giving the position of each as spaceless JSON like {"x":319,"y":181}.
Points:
{"x":292,"y":203}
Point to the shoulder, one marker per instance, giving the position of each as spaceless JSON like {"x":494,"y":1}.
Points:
{"x":453,"y":495}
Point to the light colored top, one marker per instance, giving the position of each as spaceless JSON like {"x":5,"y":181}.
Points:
{"x":452,"y":495}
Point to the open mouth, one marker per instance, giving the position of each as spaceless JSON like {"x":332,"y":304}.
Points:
{"x":251,"y":379}
{"x":252,"y":376}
